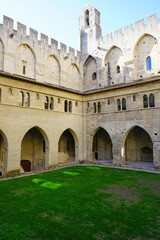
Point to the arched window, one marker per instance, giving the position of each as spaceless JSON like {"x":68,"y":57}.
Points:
{"x":0,"y":94}
{"x":46,"y":103}
{"x":151,"y":100}
{"x":148,"y":63}
{"x":51,"y":103}
{"x":118,"y":104}
{"x":70,"y":106}
{"x":27,"y":100}
{"x":99,"y":107}
{"x":21,"y":98}
{"x":123,"y":104}
{"x":118,"y":69}
{"x":94,"y":105}
{"x":94,"y":76}
{"x":10,"y":91}
{"x":87,"y":17}
{"x":65,"y":106}
{"x":145,"y":101}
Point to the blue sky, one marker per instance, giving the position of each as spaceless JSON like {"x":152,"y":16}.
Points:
{"x":59,"y":18}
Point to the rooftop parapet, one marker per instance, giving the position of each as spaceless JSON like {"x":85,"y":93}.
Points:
{"x":7,"y":27}
{"x":152,"y":22}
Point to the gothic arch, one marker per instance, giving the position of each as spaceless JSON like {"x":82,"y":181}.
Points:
{"x":90,"y":68}
{"x":25,"y":61}
{"x":101,"y":145}
{"x":146,"y":47}
{"x":137,"y":145}
{"x":34,"y":150}
{"x":68,"y":146}
{"x":114,"y":60}
{"x":52,"y":70}
{"x":74,"y":76}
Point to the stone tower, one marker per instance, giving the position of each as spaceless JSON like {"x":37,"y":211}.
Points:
{"x":89,"y":30}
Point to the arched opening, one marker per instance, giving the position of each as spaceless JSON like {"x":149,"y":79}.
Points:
{"x":27,"y":100}
{"x":118,"y":69}
{"x":87,"y":18}
{"x":99,"y":107}
{"x":145,"y":101}
{"x":118,"y":104}
{"x":94,"y":76}
{"x":3,"y":154}
{"x":148,"y":63}
{"x":21,"y":99}
{"x":139,"y":148}
{"x":51,"y":103}
{"x":151,"y":100}
{"x":46,"y":103}
{"x":33,"y":151}
{"x":102,"y":146}
{"x":70,"y":106}
{"x":123,"y":104}
{"x":66,"y":147}
{"x":66,"y":106}
{"x":95,"y":108}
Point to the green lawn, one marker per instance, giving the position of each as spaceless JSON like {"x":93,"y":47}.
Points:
{"x":81,"y":203}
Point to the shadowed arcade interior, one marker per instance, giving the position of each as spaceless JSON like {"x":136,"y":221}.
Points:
{"x":138,"y":147}
{"x":33,"y":150}
{"x":66,"y":147}
{"x":102,"y":146}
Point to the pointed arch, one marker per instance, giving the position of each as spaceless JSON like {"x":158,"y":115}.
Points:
{"x":102,"y":145}
{"x":114,"y":63}
{"x":68,"y":146}
{"x":25,"y":58}
{"x":90,"y":70}
{"x":74,"y":76}
{"x":145,"y":55}
{"x":34,"y":150}
{"x":52,"y":70}
{"x":137,"y":146}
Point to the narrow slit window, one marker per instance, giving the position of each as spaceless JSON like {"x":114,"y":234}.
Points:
{"x":151,"y":100}
{"x":27,"y":100}
{"x":46,"y":103}
{"x":99,"y":107}
{"x":70,"y":106}
{"x":24,"y":70}
{"x":21,"y":98}
{"x":94,"y":106}
{"x":145,"y":101}
{"x":118,"y":69}
{"x":148,"y":63}
{"x":51,"y":103}
{"x":123,"y":104}
{"x":94,"y":76}
{"x":118,"y":104}
{"x":65,"y":106}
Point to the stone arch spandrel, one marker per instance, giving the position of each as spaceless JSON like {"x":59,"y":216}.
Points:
{"x":1,"y":55}
{"x":25,"y":61}
{"x":52,"y":70}
{"x":146,"y":46}
{"x":114,"y":58}
{"x":74,"y":77}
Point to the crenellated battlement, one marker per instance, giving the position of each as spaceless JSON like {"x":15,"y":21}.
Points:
{"x":140,"y":26}
{"x":21,"y":32}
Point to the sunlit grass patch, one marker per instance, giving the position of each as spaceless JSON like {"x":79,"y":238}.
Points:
{"x":81,"y":203}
